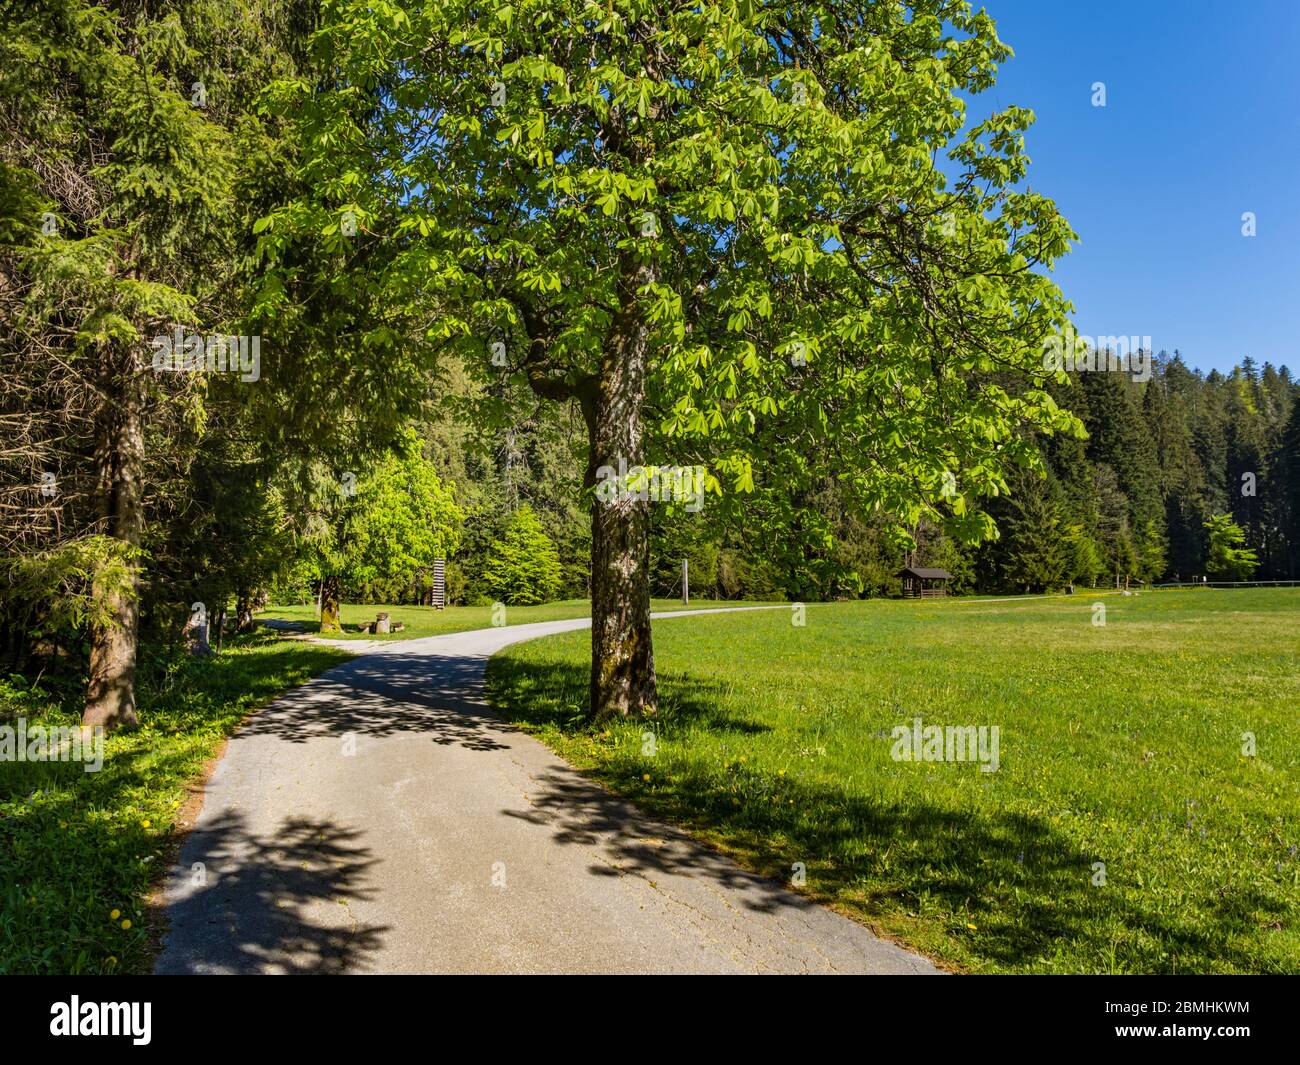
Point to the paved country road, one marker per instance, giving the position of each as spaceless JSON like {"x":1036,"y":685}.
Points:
{"x":450,"y":842}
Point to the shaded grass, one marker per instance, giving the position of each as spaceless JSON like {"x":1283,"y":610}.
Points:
{"x":424,"y":621}
{"x":1120,"y":745}
{"x":78,"y":847}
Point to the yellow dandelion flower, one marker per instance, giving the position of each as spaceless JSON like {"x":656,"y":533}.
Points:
{"x":115,"y":915}
{"x":126,"y":924}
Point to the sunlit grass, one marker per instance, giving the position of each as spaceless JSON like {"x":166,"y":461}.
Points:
{"x":421,"y":621}
{"x":1120,"y":744}
{"x":78,"y":850}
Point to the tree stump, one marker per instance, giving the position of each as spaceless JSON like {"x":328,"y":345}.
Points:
{"x":382,"y":623}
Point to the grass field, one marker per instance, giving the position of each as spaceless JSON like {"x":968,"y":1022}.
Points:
{"x":426,"y":621}
{"x":78,"y":850}
{"x":1120,"y":744}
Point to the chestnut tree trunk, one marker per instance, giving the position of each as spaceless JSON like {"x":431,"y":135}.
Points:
{"x":329,"y":605}
{"x":622,"y":655}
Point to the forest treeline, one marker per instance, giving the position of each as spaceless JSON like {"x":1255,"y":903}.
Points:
{"x":1130,"y":503}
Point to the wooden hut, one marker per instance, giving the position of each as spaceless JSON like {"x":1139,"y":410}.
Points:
{"x":919,"y":583}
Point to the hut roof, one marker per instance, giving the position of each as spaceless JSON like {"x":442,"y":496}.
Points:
{"x":925,"y":574}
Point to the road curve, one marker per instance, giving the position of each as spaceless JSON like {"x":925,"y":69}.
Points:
{"x":380,"y":819}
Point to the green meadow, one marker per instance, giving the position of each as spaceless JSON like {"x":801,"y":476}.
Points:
{"x":421,"y":621}
{"x":1128,"y":827}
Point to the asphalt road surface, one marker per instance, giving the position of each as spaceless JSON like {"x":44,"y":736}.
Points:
{"x":381,"y":819}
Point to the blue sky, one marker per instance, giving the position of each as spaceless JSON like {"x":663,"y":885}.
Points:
{"x":1201,"y":124}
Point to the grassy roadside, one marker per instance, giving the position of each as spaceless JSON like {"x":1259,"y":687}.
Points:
{"x":78,"y":850}
{"x":1120,"y":744}
{"x":423,"y":621}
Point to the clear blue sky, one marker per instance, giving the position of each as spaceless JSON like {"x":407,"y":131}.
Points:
{"x":1201,"y":123}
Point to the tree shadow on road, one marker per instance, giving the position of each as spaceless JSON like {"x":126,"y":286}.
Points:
{"x":578,"y":812}
{"x":240,"y":902}
{"x":383,"y":695}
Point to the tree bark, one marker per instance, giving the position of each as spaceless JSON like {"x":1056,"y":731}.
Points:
{"x":622,"y":653}
{"x":329,"y":605}
{"x":119,"y":458}
{"x":244,"y":623}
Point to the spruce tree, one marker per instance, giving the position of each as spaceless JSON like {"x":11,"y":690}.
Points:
{"x":523,"y":567}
